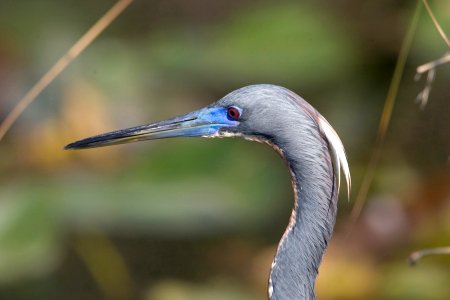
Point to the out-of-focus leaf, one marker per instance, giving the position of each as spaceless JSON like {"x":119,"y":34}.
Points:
{"x":176,"y":290}
{"x":286,"y":43}
{"x":28,"y":237}
{"x":183,"y":190}
{"x":422,"y":282}
{"x":429,"y":45}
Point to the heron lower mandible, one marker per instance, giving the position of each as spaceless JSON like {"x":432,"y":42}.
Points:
{"x":314,"y":154}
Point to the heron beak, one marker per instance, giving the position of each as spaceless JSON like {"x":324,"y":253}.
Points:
{"x":204,"y":122}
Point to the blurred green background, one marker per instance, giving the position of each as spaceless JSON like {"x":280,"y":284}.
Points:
{"x":200,"y":219}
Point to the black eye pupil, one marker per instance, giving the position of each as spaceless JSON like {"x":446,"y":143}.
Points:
{"x":233,"y":113}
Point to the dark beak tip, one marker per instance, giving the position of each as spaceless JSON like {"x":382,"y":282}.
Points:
{"x":69,"y":147}
{"x":74,"y":146}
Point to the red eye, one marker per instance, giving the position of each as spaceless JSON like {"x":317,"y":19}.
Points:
{"x":233,"y":113}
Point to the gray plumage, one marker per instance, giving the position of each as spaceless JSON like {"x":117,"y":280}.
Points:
{"x":314,"y":156}
{"x":293,"y":127}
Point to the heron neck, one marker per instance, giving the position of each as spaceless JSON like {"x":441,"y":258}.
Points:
{"x":295,"y":266}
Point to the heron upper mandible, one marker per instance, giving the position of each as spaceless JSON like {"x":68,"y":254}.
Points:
{"x":305,"y":140}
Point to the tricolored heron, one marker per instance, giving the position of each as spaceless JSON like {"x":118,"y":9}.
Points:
{"x":305,"y":140}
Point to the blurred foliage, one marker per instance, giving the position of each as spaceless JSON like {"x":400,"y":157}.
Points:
{"x":173,"y":290}
{"x":267,"y":43}
{"x":200,"y":219}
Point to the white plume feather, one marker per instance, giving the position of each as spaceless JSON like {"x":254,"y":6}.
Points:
{"x":337,"y":153}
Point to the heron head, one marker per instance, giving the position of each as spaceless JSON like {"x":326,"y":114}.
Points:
{"x":262,"y":112}
{"x":241,"y":112}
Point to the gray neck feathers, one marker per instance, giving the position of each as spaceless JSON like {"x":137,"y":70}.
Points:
{"x":295,"y":266}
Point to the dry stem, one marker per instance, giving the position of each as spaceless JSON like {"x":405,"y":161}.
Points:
{"x":62,"y":64}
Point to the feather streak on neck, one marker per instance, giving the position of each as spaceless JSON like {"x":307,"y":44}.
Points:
{"x":295,"y":266}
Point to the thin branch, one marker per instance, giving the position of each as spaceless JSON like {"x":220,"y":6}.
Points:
{"x":385,"y":117}
{"x":416,"y":256}
{"x":423,"y":96}
{"x":433,"y":64}
{"x":62,"y":64}
{"x":436,"y":23}
{"x":430,"y":67}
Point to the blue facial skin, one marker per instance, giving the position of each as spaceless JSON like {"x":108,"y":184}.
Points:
{"x":204,"y":122}
{"x":214,"y":118}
